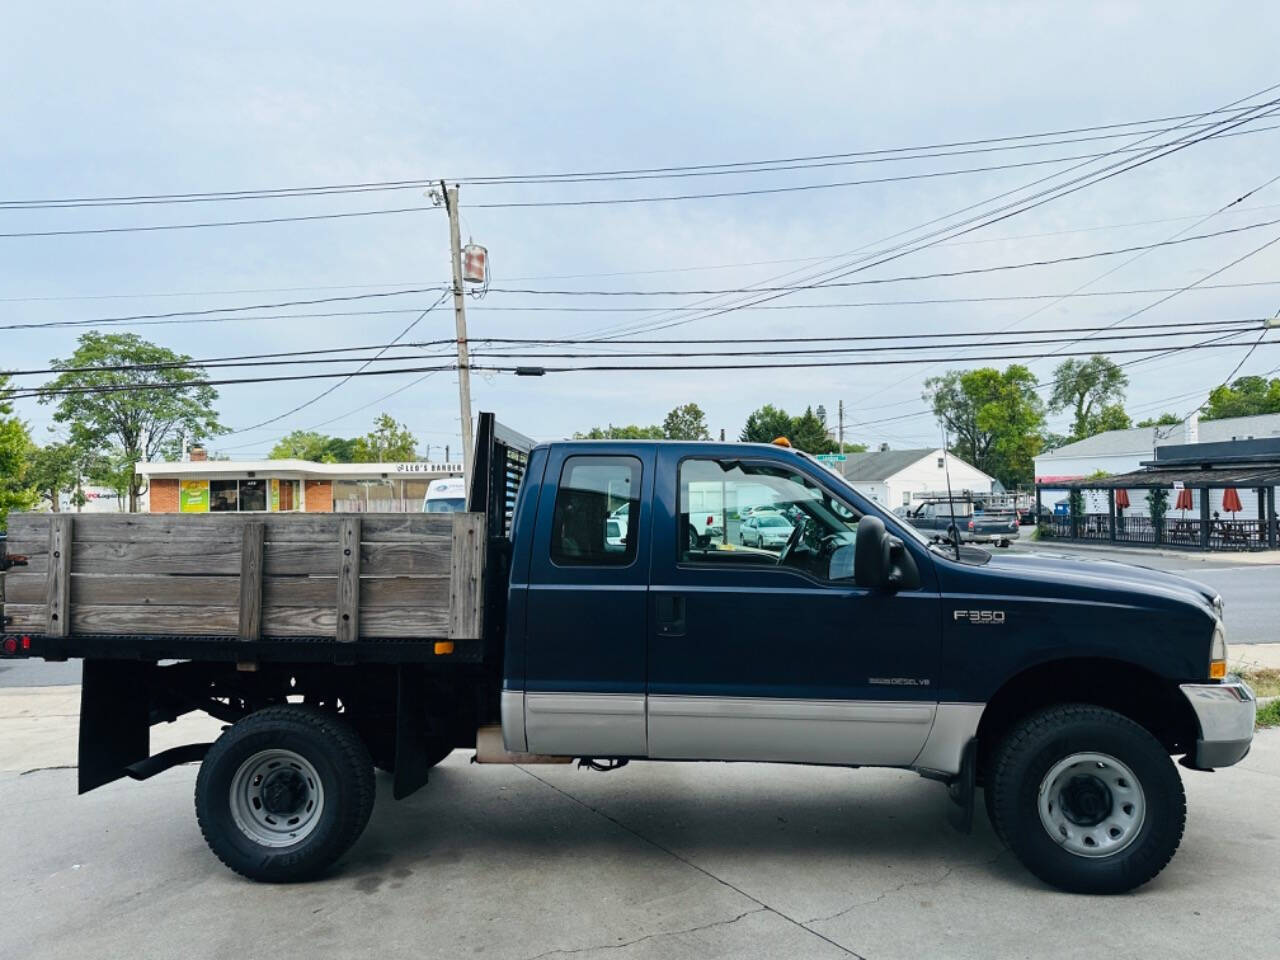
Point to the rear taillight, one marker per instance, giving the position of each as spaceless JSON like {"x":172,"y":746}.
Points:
{"x":709,"y":519}
{"x":970,"y":524}
{"x":10,"y":645}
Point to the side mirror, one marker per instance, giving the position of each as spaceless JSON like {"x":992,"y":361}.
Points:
{"x":842,"y":563}
{"x":881,"y":561}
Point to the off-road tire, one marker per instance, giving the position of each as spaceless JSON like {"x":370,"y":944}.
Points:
{"x":1025,"y":757}
{"x":345,"y":771}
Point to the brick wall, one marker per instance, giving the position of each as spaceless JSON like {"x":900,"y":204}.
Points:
{"x":318,"y":496}
{"x":164,"y":496}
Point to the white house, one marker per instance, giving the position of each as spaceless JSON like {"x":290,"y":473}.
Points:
{"x":1121,"y":451}
{"x":890,"y":477}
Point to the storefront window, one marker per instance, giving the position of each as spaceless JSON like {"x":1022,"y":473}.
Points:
{"x":284,"y":495}
{"x":223,"y":495}
{"x":253,"y":495}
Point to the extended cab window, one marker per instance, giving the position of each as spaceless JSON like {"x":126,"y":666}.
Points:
{"x":596,"y":505}
{"x":738,"y":512}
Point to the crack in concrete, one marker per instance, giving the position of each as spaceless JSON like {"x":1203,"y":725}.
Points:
{"x":60,"y":766}
{"x":927,"y":882}
{"x":651,"y":936}
{"x":689,"y":863}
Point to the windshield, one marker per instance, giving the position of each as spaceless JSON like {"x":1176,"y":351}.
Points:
{"x":446,"y":505}
{"x":773,"y":522}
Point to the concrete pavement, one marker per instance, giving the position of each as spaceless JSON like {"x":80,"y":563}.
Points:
{"x":662,"y":860}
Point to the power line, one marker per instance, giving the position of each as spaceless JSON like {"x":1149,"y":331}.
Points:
{"x":523,"y":370}
{"x":256,"y":221}
{"x":1125,"y":224}
{"x":359,"y":371}
{"x":748,"y":166}
{"x":323,"y":354}
{"x":606,"y":201}
{"x":939,"y":235}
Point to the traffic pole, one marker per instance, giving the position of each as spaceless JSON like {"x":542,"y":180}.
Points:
{"x":460,"y":318}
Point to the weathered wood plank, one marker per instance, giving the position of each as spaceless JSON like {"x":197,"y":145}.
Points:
{"x":59,"y":580}
{"x":33,"y":527}
{"x":224,"y":621}
{"x":27,"y":587}
{"x":466,"y":586}
{"x":36,"y":552}
{"x":428,"y":557}
{"x":26,"y":617}
{"x":322,"y":622}
{"x":251,"y":580}
{"x":348,"y":605}
{"x":175,"y":556}
{"x":155,"y":619}
{"x":409,"y":593}
{"x":281,"y":527}
{"x":143,"y":589}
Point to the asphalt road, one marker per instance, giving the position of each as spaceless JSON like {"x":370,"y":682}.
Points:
{"x":662,"y":860}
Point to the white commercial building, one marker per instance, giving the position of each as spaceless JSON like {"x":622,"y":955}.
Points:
{"x":891,"y":477}
{"x":1122,"y":451}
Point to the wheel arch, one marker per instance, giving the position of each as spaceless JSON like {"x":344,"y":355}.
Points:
{"x":1128,"y":688}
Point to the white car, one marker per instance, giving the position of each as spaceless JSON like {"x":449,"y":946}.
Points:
{"x":766,"y":530}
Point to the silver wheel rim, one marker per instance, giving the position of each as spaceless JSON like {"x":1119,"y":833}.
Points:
{"x":1092,"y":805}
{"x":276,"y":798}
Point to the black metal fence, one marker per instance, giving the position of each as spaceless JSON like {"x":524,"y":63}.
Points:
{"x":1172,"y":531}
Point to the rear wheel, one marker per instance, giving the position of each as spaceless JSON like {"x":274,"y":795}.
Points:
{"x":284,"y":793}
{"x":1087,"y":799}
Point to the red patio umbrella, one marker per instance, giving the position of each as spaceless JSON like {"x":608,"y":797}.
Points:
{"x":1184,"y":501}
{"x":1231,"y":501}
{"x":1122,"y":498}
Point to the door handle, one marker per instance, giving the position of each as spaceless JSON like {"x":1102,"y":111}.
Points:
{"x":671,"y":610}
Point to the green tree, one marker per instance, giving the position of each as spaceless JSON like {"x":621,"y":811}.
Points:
{"x":995,"y":419}
{"x":308,"y":445}
{"x":113,"y":469}
{"x":1164,"y":420}
{"x":629,"y":432}
{"x":1245,"y":397}
{"x":16,"y":492}
{"x":54,"y":469}
{"x":137,"y":422}
{"x":1091,"y":389}
{"x":808,"y":434}
{"x":686,"y":422}
{"x":1110,"y":417}
{"x":387,"y":441}
{"x":766,"y":424}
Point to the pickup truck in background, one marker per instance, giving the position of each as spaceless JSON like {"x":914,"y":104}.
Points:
{"x":957,"y":520}
{"x":1060,"y":688}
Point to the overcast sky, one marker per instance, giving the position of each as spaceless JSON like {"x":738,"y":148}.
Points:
{"x":127,"y":99}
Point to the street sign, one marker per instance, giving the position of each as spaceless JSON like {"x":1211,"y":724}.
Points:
{"x":832,"y":457}
{"x":1178,"y":484}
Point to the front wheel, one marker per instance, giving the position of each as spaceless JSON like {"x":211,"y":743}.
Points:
{"x":284,"y":793}
{"x":1087,"y":799}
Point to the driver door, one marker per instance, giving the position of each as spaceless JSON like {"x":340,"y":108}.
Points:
{"x":772,"y":655}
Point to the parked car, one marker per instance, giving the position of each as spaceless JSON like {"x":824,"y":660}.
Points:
{"x":769,"y":531}
{"x":957,"y":520}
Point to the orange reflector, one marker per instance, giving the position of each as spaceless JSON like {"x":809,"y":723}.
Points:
{"x":444,"y":646}
{"x":1217,"y":669}
{"x":781,"y":442}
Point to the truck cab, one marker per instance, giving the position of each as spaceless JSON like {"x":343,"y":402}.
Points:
{"x":859,"y":642}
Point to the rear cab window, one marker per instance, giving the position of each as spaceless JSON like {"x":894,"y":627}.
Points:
{"x":595,"y":501}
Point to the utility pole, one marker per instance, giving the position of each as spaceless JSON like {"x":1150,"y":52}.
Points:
{"x":840,"y":424}
{"x":460,"y":317}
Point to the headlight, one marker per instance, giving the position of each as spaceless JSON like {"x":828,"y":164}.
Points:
{"x":1218,"y":653}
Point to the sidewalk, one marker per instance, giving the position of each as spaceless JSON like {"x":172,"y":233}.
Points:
{"x":1241,"y":557}
{"x":41,"y":728}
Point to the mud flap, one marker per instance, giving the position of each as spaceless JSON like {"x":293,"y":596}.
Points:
{"x":417,"y":737}
{"x":115,"y":720}
{"x":961,"y":789}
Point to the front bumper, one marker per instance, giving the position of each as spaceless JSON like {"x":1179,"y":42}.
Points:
{"x":1226,"y":713}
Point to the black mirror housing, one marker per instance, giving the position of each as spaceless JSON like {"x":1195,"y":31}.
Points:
{"x":882,"y":561}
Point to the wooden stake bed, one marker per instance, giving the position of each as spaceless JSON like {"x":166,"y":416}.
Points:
{"x":349,"y":579}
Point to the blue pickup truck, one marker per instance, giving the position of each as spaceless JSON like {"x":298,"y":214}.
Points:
{"x":1057,"y":689}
